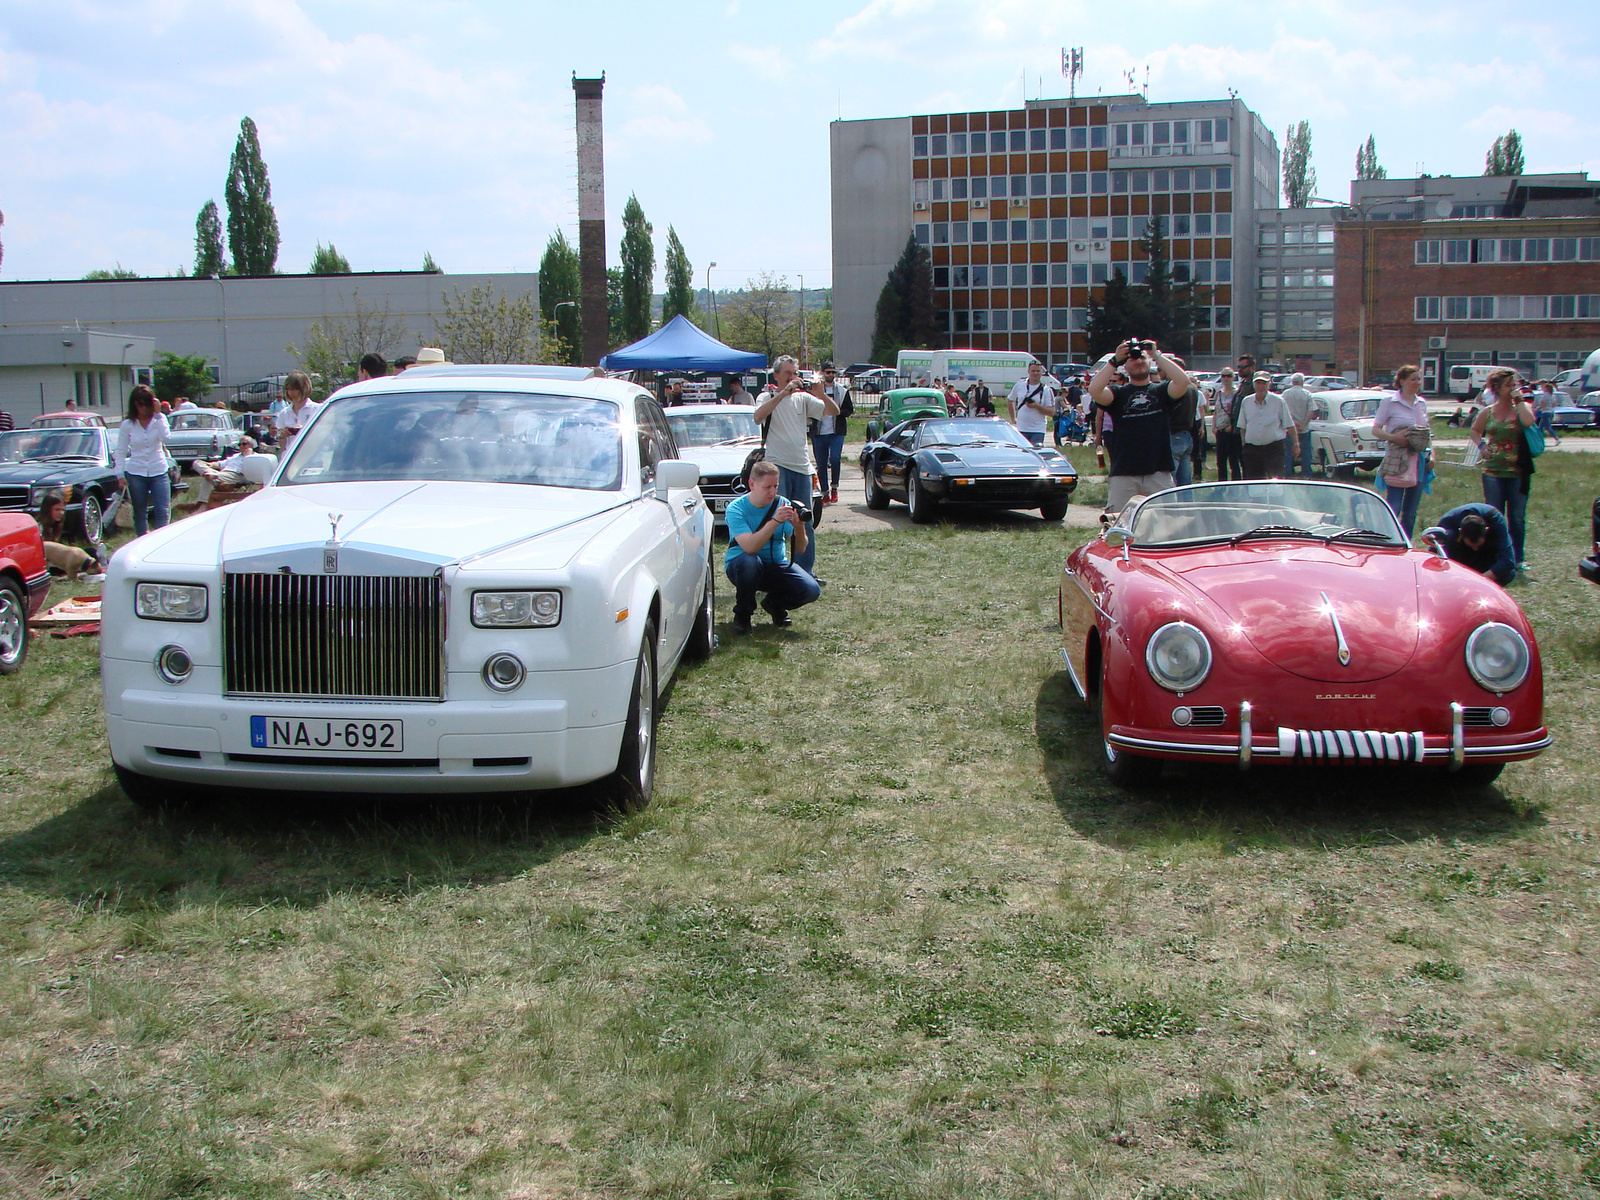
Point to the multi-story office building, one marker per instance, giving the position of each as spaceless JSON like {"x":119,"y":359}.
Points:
{"x":1441,"y":271}
{"x":1027,"y":212}
{"x":1294,"y":288}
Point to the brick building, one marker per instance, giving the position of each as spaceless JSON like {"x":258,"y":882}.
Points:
{"x":1443,"y":272}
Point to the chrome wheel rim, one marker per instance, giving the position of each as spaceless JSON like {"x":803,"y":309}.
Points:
{"x":646,"y":733}
{"x":13,"y":628}
{"x":92,"y":518}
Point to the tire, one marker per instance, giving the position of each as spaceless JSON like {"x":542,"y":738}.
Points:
{"x":13,"y":627}
{"x":877,"y":498}
{"x":1324,"y":467}
{"x":922,"y":505}
{"x":91,"y":522}
{"x":151,"y":794}
{"x":1476,"y":775}
{"x":703,"y":636}
{"x":1054,"y":511}
{"x":1130,"y":770}
{"x":631,"y":785}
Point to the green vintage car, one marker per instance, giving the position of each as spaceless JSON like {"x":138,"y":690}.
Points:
{"x":904,"y":403}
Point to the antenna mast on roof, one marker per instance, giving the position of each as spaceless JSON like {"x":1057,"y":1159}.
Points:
{"x":1072,"y":68}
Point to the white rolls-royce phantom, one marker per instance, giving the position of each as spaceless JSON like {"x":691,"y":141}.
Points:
{"x":461,"y":579}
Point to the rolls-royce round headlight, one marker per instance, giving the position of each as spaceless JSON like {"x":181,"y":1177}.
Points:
{"x":1498,"y":657}
{"x":504,"y":672}
{"x":1179,"y":657}
{"x":173,"y":664}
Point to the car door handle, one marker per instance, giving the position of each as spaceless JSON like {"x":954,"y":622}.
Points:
{"x":689,"y":503}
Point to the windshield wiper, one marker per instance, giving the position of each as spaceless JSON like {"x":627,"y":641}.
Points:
{"x":1266,"y":531}
{"x":1356,"y":533}
{"x":734,"y":441}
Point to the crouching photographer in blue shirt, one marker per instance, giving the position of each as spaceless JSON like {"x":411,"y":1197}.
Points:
{"x":765,"y":534}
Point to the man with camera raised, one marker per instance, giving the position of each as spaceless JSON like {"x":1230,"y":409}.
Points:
{"x":766,"y":534}
{"x":784,"y":410}
{"x":1141,"y":453}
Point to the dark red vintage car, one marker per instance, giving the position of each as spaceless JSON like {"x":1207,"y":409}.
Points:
{"x":1274,"y":621}
{"x":24,"y":583}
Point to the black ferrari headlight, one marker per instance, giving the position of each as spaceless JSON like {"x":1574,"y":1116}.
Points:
{"x":1178,"y":656}
{"x":1498,"y":657}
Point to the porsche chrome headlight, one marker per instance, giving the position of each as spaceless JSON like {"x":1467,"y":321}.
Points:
{"x":1498,"y":657}
{"x":1178,"y":656}
{"x":515,"y":610}
{"x":170,"y":601}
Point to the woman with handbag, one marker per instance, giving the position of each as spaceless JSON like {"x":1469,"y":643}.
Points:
{"x":1506,"y":433}
{"x":1402,"y":422}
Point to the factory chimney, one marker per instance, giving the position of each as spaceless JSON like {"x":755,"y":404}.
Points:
{"x":591,"y":217}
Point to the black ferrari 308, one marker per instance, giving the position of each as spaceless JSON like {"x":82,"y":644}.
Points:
{"x":980,"y":461}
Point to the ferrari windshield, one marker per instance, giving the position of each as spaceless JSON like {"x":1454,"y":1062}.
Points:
{"x":972,"y":431}
{"x":712,"y":428}
{"x":471,"y":437}
{"x":24,"y":445}
{"x":1265,"y":509}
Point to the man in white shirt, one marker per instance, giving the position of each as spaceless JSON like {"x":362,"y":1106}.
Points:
{"x":1266,"y":424}
{"x":1032,"y":405}
{"x":1303,"y":408}
{"x":790,"y":408}
{"x":229,"y":473}
{"x":185,"y":404}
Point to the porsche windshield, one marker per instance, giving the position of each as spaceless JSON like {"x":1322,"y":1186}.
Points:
{"x":973,"y":431}
{"x":712,"y":428}
{"x":471,"y":437}
{"x":26,"y":445}
{"x":1265,"y":509}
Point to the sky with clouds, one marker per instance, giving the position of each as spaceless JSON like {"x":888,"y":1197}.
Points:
{"x":397,"y":127}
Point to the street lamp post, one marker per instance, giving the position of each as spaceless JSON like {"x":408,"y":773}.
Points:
{"x":555,"y":315}
{"x":802,"y":322}
{"x":711,"y":302}
{"x":1362,"y":207}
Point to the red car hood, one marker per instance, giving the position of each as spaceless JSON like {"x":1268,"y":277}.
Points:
{"x":1275,"y":593}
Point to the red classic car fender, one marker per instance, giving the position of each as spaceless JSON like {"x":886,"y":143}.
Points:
{"x":22,"y":558}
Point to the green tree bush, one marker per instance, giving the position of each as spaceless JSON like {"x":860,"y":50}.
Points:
{"x":328,"y":261}
{"x":638,"y":271}
{"x":252,"y":222}
{"x":209,"y":260}
{"x":559,"y":303}
{"x":177,"y":375}
{"x":904,"y":318}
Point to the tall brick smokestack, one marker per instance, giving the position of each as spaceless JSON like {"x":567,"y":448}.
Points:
{"x":592,"y":217}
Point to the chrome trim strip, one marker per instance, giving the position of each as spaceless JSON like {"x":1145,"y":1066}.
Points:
{"x":1458,"y":737}
{"x":1137,"y":743}
{"x":1073,"y":675}
{"x":1244,"y":736}
{"x":1338,"y":631}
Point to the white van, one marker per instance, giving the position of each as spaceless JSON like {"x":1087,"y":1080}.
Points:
{"x":1468,"y":379}
{"x":1000,"y":369}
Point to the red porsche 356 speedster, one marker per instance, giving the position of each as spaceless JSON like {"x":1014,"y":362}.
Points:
{"x":1278,"y":621}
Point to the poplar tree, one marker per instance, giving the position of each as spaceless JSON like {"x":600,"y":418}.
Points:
{"x":680,"y":280}
{"x":252,"y":223}
{"x":1299,"y":176}
{"x":904,"y":319}
{"x":1367,"y":161}
{"x":559,"y":284}
{"x":1505,"y":156}
{"x":209,"y":262}
{"x":328,"y":261}
{"x":638,"y":271}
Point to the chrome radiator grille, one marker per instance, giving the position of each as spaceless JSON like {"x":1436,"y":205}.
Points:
{"x":346,"y":637}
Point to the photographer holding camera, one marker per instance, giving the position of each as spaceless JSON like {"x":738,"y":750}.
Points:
{"x":787,"y":408}
{"x":1141,"y":453}
{"x":761,"y":524}
{"x":1033,"y":405}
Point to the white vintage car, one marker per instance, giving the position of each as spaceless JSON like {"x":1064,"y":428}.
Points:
{"x":461,"y":579}
{"x":1343,"y":441}
{"x":718,"y":437}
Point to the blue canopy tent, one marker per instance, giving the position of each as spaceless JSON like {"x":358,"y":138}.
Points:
{"x":680,"y":345}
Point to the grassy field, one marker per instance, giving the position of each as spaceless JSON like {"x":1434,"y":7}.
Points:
{"x":885,"y":932}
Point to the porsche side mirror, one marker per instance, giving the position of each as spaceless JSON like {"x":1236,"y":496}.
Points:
{"x":1118,"y":536}
{"x":1434,"y":538}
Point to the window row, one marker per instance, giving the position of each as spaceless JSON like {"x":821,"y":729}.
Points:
{"x":1297,"y":322}
{"x":999,"y":141}
{"x":1507,"y":308}
{"x":1507,"y":250}
{"x":1211,"y":131}
{"x":1305,"y":278}
{"x":1296,"y":235}
{"x":1044,"y":320}
{"x":1060,"y":229}
{"x":1076,"y":183}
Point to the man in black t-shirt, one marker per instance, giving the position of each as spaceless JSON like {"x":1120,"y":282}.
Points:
{"x":1141,"y":453}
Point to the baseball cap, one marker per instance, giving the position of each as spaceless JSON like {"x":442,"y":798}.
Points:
{"x":1260,"y":376}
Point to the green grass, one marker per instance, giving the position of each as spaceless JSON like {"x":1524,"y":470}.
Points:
{"x":885,"y":932}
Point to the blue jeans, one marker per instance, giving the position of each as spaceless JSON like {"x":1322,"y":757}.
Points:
{"x":1305,"y":457}
{"x":786,"y":587}
{"x":1182,"y":447}
{"x":1403,"y":502}
{"x":829,"y":449}
{"x":796,"y":486}
{"x":1507,"y":495}
{"x":151,"y":499}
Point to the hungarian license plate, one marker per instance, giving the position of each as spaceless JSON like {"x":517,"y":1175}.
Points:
{"x":300,"y":735}
{"x":718,"y":504}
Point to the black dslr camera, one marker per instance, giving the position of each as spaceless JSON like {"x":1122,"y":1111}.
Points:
{"x":1136,"y":348}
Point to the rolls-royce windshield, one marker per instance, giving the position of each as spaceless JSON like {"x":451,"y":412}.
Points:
{"x":471,"y":437}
